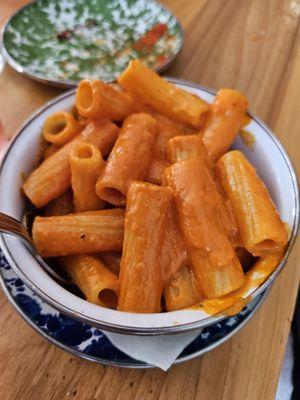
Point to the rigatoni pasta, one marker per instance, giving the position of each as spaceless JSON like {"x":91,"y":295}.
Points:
{"x":53,"y":177}
{"x":61,"y":127}
{"x":88,"y":232}
{"x":96,"y":99}
{"x":162,"y":96}
{"x":194,"y":215}
{"x":112,"y":259}
{"x":86,"y":165}
{"x":182,"y":148}
{"x":259,"y":223}
{"x":128,"y":160}
{"x":174,"y":254}
{"x":212,"y":256}
{"x":141,"y":283}
{"x":166,"y":130}
{"x":182,"y":290}
{"x":98,"y":284}
{"x":62,"y":205}
{"x":227,"y":117}
{"x":234,"y":302}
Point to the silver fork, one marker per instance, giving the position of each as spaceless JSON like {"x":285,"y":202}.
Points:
{"x":14,"y":227}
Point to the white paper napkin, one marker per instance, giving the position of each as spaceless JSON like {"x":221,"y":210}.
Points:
{"x":160,"y":351}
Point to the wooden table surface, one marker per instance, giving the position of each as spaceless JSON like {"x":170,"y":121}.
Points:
{"x":251,"y":45}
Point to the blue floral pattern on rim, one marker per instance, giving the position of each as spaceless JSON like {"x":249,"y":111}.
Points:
{"x":90,"y":343}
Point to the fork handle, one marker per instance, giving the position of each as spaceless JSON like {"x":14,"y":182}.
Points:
{"x":14,"y":227}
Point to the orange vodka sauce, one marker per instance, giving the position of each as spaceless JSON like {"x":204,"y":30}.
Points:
{"x":247,"y":138}
{"x":234,"y":302}
{"x":197,"y":231}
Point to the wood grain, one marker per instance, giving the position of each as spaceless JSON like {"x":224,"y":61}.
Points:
{"x":251,"y":45}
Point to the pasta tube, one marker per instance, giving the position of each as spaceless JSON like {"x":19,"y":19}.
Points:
{"x":86,"y":164}
{"x":174,"y":254}
{"x":259,"y":223}
{"x":162,"y":96}
{"x":214,"y":263}
{"x":261,"y":270}
{"x":227,"y":117}
{"x":234,"y":302}
{"x":112,"y":259}
{"x":98,"y":284}
{"x":182,"y":148}
{"x":61,"y":127}
{"x":141,"y":283}
{"x":129,"y":159}
{"x":62,"y":205}
{"x":89,"y":232}
{"x":156,"y":169}
{"x":166,"y":130}
{"x":53,"y":177}
{"x":96,"y":99}
{"x":82,"y":120}
{"x":182,"y":290}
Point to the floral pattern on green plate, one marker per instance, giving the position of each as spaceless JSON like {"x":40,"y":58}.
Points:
{"x":64,"y":41}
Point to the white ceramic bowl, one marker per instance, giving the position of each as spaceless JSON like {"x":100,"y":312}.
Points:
{"x":267,"y":155}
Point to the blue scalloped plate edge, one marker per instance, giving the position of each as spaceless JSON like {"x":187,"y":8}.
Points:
{"x":90,"y":343}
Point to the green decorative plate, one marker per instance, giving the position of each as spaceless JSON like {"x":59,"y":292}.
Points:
{"x":61,"y":42}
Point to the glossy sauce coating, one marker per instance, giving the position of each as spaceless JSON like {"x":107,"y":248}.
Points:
{"x":174,"y":253}
{"x":261,"y":228}
{"x":233,"y":303}
{"x":212,"y":256}
{"x":196,"y":204}
{"x":227,"y":116}
{"x":53,"y":177}
{"x":129,"y":159}
{"x":141,"y":281}
{"x":166,"y":130}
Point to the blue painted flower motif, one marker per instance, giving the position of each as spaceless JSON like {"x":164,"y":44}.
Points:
{"x":87,"y":341}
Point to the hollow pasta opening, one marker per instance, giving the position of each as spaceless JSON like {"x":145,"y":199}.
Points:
{"x":109,"y":298}
{"x":113,"y":196}
{"x":84,"y":151}
{"x":267,"y":244}
{"x":57,"y":126}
